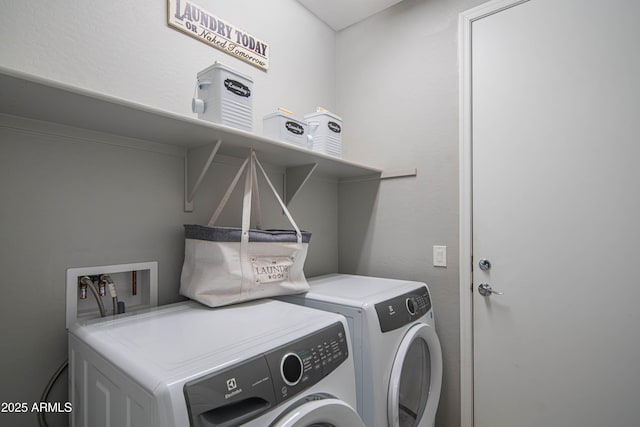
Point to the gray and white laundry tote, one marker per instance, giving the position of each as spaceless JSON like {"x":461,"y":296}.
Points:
{"x":228,"y":265}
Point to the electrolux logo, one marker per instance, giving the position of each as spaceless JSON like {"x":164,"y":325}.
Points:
{"x":294,"y":128}
{"x":238,"y":88}
{"x":232,"y":387}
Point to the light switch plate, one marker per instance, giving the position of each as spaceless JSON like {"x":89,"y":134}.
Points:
{"x":439,"y":256}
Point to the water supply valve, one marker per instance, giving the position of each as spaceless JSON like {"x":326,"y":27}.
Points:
{"x":129,"y":287}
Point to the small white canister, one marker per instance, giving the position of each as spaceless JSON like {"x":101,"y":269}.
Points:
{"x":224,"y":96}
{"x":326,"y":131}
{"x":284,"y":126}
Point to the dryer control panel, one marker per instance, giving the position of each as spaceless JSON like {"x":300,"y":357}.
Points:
{"x":396,"y":312}
{"x":240,"y":393}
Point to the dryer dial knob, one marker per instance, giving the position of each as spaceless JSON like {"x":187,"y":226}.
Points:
{"x":412,"y":306}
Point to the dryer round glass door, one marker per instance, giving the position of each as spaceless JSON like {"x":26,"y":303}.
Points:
{"x":416,"y":379}
{"x":319,"y":411}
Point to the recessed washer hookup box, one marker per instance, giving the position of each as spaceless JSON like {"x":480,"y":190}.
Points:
{"x":224,"y":96}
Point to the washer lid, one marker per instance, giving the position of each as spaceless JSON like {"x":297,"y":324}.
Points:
{"x":187,"y":340}
{"x":319,"y":409}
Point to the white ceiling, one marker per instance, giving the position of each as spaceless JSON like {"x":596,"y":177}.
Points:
{"x":339,"y":14}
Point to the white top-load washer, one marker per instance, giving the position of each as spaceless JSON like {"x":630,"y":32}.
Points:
{"x":262,"y":363}
{"x":397,"y":354}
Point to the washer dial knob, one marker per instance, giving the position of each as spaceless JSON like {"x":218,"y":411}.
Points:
{"x":291,"y":369}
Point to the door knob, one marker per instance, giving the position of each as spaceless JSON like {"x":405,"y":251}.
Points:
{"x":484,"y":264}
{"x":485,"y":290}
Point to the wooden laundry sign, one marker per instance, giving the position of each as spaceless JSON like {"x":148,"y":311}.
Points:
{"x":201,"y":24}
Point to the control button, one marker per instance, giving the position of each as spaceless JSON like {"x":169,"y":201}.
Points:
{"x":291,"y":369}
{"x":411,"y":306}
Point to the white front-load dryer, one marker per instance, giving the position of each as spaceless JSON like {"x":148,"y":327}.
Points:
{"x":258,"y":364}
{"x":397,"y":354}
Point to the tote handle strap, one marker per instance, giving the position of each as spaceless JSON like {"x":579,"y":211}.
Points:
{"x":246,"y":205}
{"x":275,"y":193}
{"x":257,"y":210}
{"x":226,"y":196}
{"x":251,"y":194}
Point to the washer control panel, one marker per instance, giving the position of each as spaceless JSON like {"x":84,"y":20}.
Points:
{"x":396,"y":312}
{"x":301,"y":364}
{"x":242,"y":392}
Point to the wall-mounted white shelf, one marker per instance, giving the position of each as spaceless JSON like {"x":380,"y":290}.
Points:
{"x":36,"y":98}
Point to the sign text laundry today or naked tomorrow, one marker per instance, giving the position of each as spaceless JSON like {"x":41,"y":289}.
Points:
{"x":208,"y":28}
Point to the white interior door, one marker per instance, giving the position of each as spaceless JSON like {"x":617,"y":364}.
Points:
{"x":556,"y":211}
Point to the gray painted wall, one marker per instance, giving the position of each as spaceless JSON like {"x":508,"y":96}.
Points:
{"x":397,"y":87}
{"x":72,"y":203}
{"x":127,"y":50}
{"x":72,"y":198}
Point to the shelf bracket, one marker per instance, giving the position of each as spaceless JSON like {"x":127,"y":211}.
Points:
{"x":295,"y":178}
{"x":191,"y":158}
{"x":399,"y":173}
{"x":387,"y":174}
